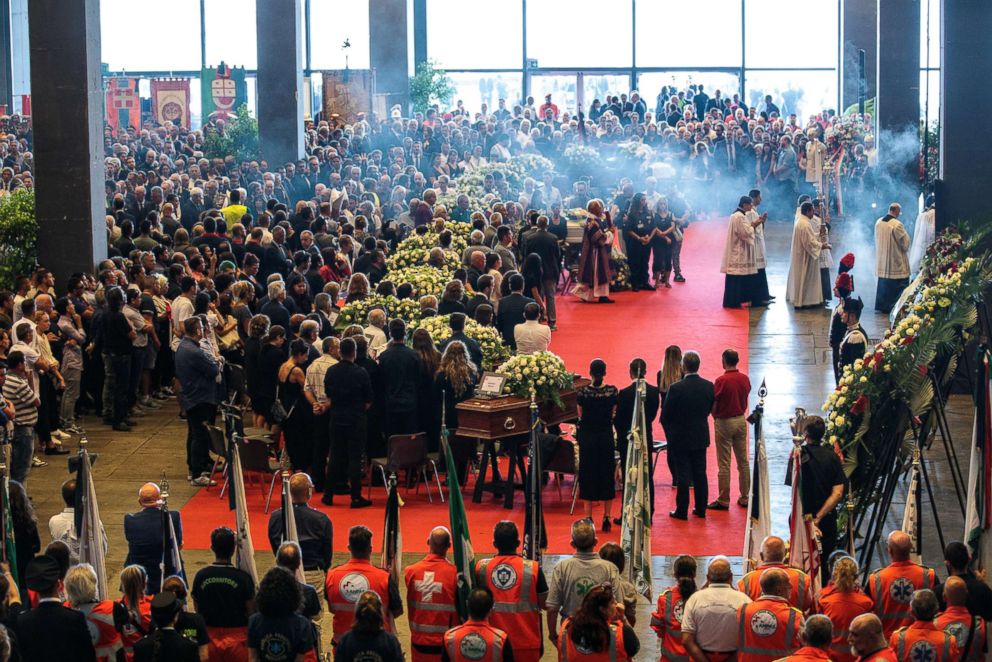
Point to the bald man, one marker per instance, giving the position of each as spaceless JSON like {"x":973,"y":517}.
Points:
{"x":431,"y":589}
{"x":143,"y":532}
{"x":768,"y":628}
{"x":773,"y":556}
{"x":892,"y":587}
{"x":709,"y":617}
{"x":867,"y":640}
{"x":312,"y":527}
{"x":969,"y":631}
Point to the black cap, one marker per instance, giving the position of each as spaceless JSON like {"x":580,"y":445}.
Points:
{"x":42,"y":573}
{"x":854,"y":306}
{"x":165,"y":605}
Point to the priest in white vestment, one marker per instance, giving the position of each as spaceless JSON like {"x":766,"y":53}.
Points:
{"x":803,"y":287}
{"x":891,"y":259}
{"x":739,"y":258}
{"x":757,"y":221}
{"x":923,"y":235}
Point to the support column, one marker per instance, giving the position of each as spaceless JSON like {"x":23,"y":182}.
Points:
{"x":68,"y":144}
{"x":280,"y":80}
{"x":389,"y":50}
{"x":897,"y":105}
{"x":860,"y":32}
{"x":965,"y":155}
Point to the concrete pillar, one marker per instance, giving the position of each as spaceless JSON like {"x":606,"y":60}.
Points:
{"x":389,"y":50}
{"x":280,"y":80}
{"x":67,"y":103}
{"x":859,"y":32}
{"x":898,"y":100}
{"x":965,"y":153}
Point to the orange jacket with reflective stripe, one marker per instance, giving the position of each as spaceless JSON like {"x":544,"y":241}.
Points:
{"x":430,"y":597}
{"x":667,"y":622}
{"x":957,"y":622}
{"x":475,"y":641}
{"x":801,"y":596}
{"x":808,"y":654}
{"x":884,"y":655}
{"x":133,"y":632}
{"x":106,"y":638}
{"x":346,"y":583}
{"x":513,"y":581}
{"x":923,"y":642}
{"x":569,"y":652}
{"x":768,"y":629}
{"x":842,"y":608}
{"x":892,"y":590}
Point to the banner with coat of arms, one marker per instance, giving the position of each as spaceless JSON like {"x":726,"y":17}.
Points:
{"x":122,"y":106}
{"x":223,"y":90}
{"x":170,"y":101}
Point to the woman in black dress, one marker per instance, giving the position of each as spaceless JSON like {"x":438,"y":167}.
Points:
{"x":597,"y":446}
{"x":296,"y":426}
{"x":271,"y":359}
{"x":455,"y":382}
{"x":533,"y":273}
{"x":661,"y":243}
{"x":258,"y":327}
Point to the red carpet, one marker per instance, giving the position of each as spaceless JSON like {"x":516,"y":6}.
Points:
{"x":639,"y":324}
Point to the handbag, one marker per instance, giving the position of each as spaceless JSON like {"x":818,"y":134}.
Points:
{"x":278,"y":412}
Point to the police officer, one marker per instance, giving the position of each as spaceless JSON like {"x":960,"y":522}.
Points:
{"x":921,"y":640}
{"x":769,"y":626}
{"x":431,"y":592}
{"x":855,"y":342}
{"x":892,"y":587}
{"x":476,"y":639}
{"x":519,"y":589}
{"x":346,"y":583}
{"x":773,"y":556}
{"x":637,"y":231}
{"x":165,"y":643}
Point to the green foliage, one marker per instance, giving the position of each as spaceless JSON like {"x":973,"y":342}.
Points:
{"x":18,"y":236}
{"x":930,"y":135}
{"x":240,"y":138}
{"x":431,"y":85}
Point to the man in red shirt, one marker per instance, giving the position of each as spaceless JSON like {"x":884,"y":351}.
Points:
{"x":730,"y":391}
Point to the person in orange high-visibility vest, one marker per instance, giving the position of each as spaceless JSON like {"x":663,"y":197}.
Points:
{"x":768,"y":628}
{"x":476,"y":639}
{"x":595,"y":633}
{"x":80,"y":589}
{"x":773,"y":556}
{"x":346,"y":583}
{"x":431,"y":595}
{"x":893,"y":586}
{"x":868,"y":641}
{"x":667,"y":620}
{"x":842,"y":600}
{"x":921,"y":641}
{"x":969,"y":631}
{"x":816,"y":636}
{"x":519,"y":590}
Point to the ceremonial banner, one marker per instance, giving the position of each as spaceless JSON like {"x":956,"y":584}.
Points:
{"x":911,"y":515}
{"x":245,"y":554}
{"x":978,"y":514}
{"x":463,"y":555}
{"x":289,"y":533}
{"x":804,"y":550}
{"x":759,"y":522}
{"x":88,"y":527}
{"x":222,"y":91}
{"x":347,"y":93}
{"x":392,"y":537}
{"x":123,"y":107}
{"x":635,"y":532}
{"x":535,"y":536}
{"x":170,"y":101}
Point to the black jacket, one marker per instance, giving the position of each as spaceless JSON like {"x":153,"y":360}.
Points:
{"x":686,"y":413}
{"x":314,"y":531}
{"x":400,"y":368}
{"x":545,"y":244}
{"x":53,"y":632}
{"x":625,"y":409}
{"x":510,"y":314}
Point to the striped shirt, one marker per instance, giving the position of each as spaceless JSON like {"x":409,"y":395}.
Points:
{"x":314,"y":381}
{"x":18,"y":391}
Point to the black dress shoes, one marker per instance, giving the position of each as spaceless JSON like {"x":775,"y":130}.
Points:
{"x":676,"y":515}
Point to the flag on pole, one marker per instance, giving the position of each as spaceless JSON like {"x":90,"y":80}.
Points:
{"x":804,"y":550}
{"x":89,"y":531}
{"x":9,"y":548}
{"x":245,"y":551}
{"x":759,"y":521}
{"x":172,"y":560}
{"x":635,"y":530}
{"x":911,"y":515}
{"x":463,"y":555}
{"x":392,"y":537}
{"x":978,"y":513}
{"x":535,"y":535}
{"x":289,"y":532}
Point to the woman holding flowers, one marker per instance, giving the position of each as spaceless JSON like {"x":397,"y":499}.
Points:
{"x":597,"y":467}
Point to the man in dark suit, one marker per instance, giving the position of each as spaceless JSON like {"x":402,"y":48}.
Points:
{"x":483,"y":289}
{"x":143,"y":532}
{"x":51,"y":631}
{"x":685,"y":419}
{"x":546,"y":246}
{"x":625,"y":414}
{"x":511,"y":310}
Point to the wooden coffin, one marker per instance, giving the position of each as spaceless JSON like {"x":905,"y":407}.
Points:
{"x":509,"y":416}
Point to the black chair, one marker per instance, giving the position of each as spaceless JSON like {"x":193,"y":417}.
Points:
{"x":564,"y":461}
{"x":406,"y":451}
{"x":218,"y":446}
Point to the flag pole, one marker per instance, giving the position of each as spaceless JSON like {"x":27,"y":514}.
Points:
{"x":635,"y":530}
{"x":756,"y":498}
{"x":533,"y":538}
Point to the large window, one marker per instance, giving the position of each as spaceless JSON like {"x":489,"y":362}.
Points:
{"x":683,"y":35}
{"x":475,"y":89}
{"x":329,"y":30}
{"x":803,"y":93}
{"x":231,"y":33}
{"x":650,"y":84}
{"x":578,"y":33}
{"x":128,"y":27}
{"x":793,"y":35}
{"x":475,"y":34}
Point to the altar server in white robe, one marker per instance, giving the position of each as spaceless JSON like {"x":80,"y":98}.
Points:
{"x":923,"y":235}
{"x":739,"y":259}
{"x":822,"y":229}
{"x":803,"y":287}
{"x":891,"y":259}
{"x":757,"y":221}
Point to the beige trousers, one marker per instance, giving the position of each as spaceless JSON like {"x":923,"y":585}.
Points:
{"x":731,"y":434}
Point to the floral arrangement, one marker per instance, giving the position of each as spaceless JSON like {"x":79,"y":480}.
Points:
{"x":542,"y":372}
{"x":514,"y":172}
{"x":636,"y":151}
{"x":357,"y":312}
{"x":532,"y":165}
{"x":621,"y":271}
{"x":490,"y":341}
{"x":581,"y":159}
{"x":425,"y":279}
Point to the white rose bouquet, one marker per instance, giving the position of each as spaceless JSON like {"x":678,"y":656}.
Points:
{"x":544,"y":372}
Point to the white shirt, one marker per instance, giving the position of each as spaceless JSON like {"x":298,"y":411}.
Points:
{"x":314,"y":380}
{"x":377,"y":340}
{"x":63,"y":527}
{"x":711,"y":615}
{"x":182,"y":309}
{"x":532,"y":337}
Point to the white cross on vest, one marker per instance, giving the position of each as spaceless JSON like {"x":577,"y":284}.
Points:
{"x":427,"y":587}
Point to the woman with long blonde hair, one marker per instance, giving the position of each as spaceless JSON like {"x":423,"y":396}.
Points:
{"x":455,"y":382}
{"x":842,"y":600}
{"x":671,"y":372}
{"x":134,"y":579}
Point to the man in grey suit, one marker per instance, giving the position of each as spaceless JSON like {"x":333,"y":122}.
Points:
{"x":684,"y":416}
